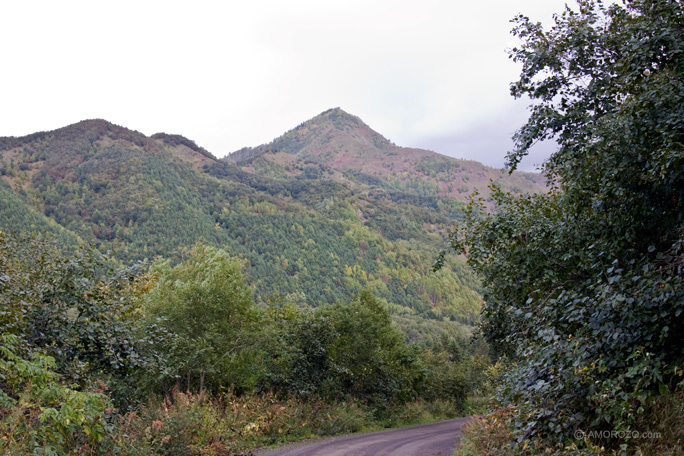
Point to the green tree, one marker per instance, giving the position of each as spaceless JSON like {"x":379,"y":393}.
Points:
{"x":343,"y":350}
{"x":583,"y":286}
{"x":371,"y":359}
{"x":76,"y":307}
{"x":206,"y":304}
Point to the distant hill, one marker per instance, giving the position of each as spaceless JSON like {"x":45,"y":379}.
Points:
{"x":339,"y":141}
{"x":324,"y":211}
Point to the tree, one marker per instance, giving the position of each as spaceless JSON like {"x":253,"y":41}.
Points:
{"x":76,"y":307}
{"x":206,"y":304}
{"x":369,"y":356}
{"x":608,"y":88}
{"x":342,"y":350}
{"x":583,"y":285}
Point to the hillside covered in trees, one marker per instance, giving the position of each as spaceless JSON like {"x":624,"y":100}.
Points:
{"x":313,"y":214}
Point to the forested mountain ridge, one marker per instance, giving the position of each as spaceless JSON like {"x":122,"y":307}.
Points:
{"x":317,"y":232}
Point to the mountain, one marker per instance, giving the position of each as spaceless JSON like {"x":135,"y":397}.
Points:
{"x":338,"y":141}
{"x":15,"y":212}
{"x":326,"y":210}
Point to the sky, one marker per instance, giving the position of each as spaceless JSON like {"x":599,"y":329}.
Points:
{"x":432,"y":74}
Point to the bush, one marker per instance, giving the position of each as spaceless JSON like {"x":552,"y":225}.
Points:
{"x":78,"y":308}
{"x":40,"y":415}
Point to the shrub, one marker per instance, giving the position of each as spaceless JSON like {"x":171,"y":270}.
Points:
{"x":40,"y":415}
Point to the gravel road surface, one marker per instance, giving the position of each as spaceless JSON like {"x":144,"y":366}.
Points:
{"x":436,"y":439}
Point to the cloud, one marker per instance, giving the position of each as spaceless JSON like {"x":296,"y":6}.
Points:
{"x":488,"y":142}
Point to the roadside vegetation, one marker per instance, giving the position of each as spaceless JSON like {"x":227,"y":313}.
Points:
{"x":178,"y":359}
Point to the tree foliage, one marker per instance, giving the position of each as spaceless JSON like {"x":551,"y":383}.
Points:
{"x":78,"y":308}
{"x":584,"y":285}
{"x":353,"y":350}
{"x":40,"y":412}
{"x":350,"y":349}
{"x":204,"y":303}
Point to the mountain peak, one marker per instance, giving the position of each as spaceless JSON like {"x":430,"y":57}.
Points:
{"x":337,"y":110}
{"x":347,"y":123}
{"x":95,"y":128}
{"x":65,"y":149}
{"x":328,"y":132}
{"x":332,"y":132}
{"x":349,"y":149}
{"x":341,"y":117}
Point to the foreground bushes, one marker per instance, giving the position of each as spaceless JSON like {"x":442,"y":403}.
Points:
{"x":195,"y":424}
{"x":188,"y":424}
{"x":42,"y":415}
{"x":99,"y":359}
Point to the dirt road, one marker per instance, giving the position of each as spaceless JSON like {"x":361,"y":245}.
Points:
{"x":436,"y":439}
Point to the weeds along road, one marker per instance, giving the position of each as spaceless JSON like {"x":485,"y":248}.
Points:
{"x":436,"y":439}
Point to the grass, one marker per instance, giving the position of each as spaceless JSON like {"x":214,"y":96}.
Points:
{"x":193,"y":424}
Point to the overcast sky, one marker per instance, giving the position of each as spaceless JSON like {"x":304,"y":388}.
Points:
{"x":227,"y":74}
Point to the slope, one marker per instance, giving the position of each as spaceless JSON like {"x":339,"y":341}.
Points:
{"x":17,"y":215}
